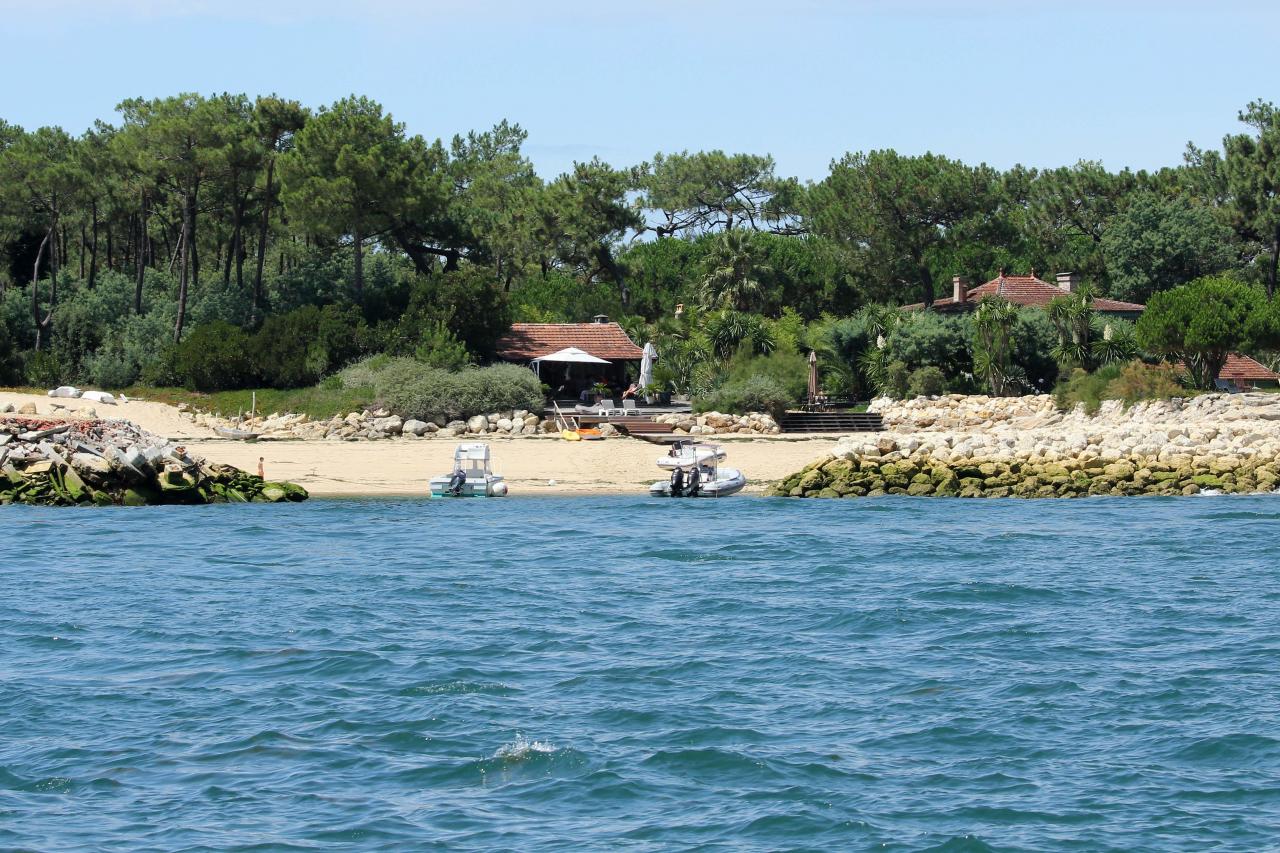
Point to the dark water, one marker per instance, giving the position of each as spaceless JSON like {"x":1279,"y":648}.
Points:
{"x":578,"y":673}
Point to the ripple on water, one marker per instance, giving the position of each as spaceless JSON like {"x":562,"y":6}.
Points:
{"x":581,"y":673}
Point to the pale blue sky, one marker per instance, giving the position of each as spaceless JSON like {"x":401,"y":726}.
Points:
{"x":996,"y":81}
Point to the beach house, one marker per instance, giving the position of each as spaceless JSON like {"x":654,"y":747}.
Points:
{"x":616,"y":357}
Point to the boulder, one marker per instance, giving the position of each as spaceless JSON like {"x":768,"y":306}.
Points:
{"x":90,"y":465}
{"x":415,"y":427}
{"x":504,"y":424}
{"x":27,"y":409}
{"x":390,"y":425}
{"x":478,"y":424}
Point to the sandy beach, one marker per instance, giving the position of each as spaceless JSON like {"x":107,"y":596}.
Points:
{"x":532,"y":465}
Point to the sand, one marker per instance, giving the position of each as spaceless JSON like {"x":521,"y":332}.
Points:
{"x":530,"y":465}
{"x":403,"y":466}
{"x":160,"y":418}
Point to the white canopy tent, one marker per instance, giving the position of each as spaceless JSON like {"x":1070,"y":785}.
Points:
{"x":568,"y":355}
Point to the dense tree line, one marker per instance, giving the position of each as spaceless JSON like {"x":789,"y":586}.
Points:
{"x":277,"y":220}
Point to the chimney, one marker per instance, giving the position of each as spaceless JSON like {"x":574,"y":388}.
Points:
{"x":959,"y":289}
{"x":1068,"y":282}
{"x":600,"y":319}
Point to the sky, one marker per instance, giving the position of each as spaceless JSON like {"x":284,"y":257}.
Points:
{"x":997,"y":81}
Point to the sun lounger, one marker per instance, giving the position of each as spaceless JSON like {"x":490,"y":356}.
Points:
{"x":603,"y":409}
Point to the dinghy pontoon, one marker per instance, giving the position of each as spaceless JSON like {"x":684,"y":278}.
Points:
{"x":696,"y":473}
{"x":471,"y":477}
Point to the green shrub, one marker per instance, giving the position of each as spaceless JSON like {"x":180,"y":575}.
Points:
{"x":110,"y":368}
{"x":412,"y":389}
{"x":440,"y":347}
{"x":162,"y":371}
{"x":1084,"y":387}
{"x":788,"y":369}
{"x":755,"y":394}
{"x":215,"y":357}
{"x":1034,"y":337}
{"x":927,"y":382}
{"x":927,"y":338}
{"x":294,"y":350}
{"x":364,"y":373}
{"x":45,"y":369}
{"x":1138,"y":381}
{"x":1131,"y":383}
{"x":897,"y":380}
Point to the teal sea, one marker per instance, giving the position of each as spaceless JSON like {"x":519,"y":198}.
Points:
{"x":636,"y":674}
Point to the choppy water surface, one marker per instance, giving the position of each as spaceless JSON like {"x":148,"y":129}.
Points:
{"x":583,"y":673}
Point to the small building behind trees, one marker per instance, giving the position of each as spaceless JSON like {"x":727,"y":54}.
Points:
{"x":1025,"y":291}
{"x":1240,"y":372}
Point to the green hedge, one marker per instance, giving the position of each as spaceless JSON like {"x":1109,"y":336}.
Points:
{"x":413,"y":390}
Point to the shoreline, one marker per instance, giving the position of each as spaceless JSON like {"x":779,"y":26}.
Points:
{"x":402,"y":466}
{"x":531,"y":466}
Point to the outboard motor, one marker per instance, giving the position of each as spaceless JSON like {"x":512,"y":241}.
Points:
{"x":695,"y":483}
{"x":456,"y":482}
{"x":677,"y":482}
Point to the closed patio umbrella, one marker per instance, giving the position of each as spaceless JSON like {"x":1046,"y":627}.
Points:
{"x":813,"y":377}
{"x":646,"y":365}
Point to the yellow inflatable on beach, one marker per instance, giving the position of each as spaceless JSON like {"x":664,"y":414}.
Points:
{"x":570,"y":435}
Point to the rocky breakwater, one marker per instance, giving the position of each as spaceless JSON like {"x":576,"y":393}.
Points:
{"x":959,"y":446}
{"x":717,"y":423}
{"x":65,"y":462}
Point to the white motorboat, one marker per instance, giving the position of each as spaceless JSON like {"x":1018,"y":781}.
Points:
{"x":696,"y":472}
{"x":472,"y":476}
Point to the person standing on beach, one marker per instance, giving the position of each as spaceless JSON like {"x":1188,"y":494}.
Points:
{"x":261,"y":475}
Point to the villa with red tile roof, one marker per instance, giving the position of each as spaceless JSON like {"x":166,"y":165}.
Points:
{"x":1240,"y":371}
{"x":1026,"y":291}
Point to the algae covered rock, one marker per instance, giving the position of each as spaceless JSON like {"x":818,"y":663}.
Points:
{"x":64,"y":462}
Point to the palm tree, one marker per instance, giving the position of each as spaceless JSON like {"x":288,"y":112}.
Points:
{"x":992,"y":356}
{"x":1073,"y":315}
{"x":736,"y":273}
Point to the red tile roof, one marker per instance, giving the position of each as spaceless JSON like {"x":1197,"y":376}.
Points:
{"x":1241,"y":368}
{"x":1024,"y":290}
{"x":527,"y":341}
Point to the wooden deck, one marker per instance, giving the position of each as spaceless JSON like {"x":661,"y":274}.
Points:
{"x":630,"y":424}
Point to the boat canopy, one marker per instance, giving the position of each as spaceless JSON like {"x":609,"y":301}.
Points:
{"x":477,"y":451}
